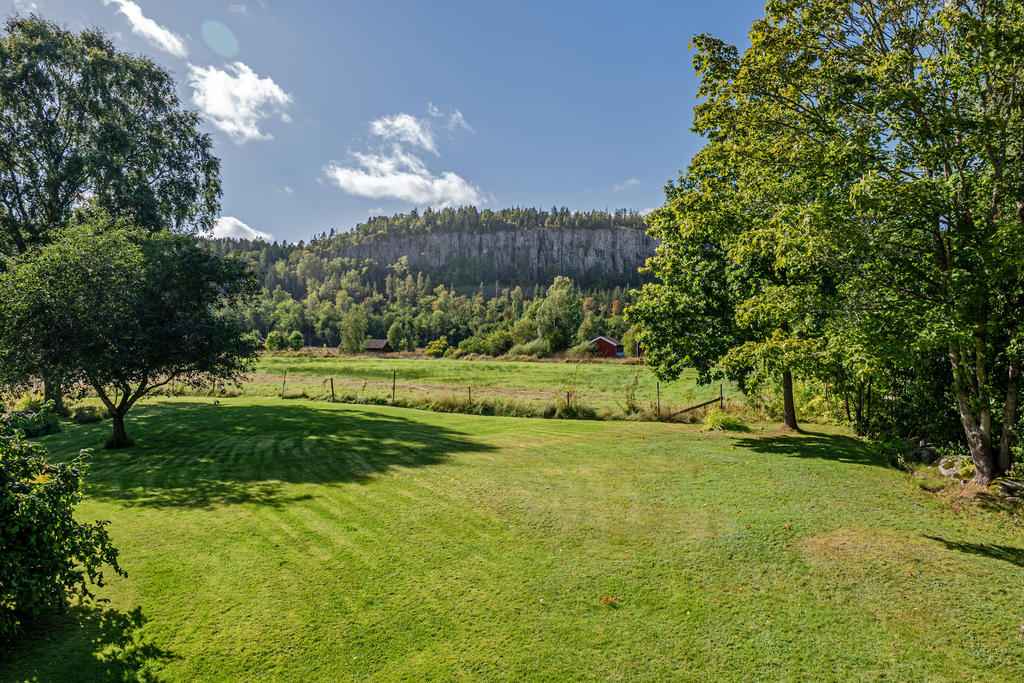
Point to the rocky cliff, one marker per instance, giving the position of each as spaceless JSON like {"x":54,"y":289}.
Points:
{"x":592,"y":257}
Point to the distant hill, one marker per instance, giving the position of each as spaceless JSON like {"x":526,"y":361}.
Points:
{"x":464,"y":247}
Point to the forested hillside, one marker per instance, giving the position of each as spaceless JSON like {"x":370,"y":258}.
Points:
{"x":452,"y":273}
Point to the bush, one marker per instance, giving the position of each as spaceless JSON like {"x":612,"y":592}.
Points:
{"x":499,"y":342}
{"x":517,"y":350}
{"x":296,"y":341}
{"x":436,"y":348}
{"x":47,"y":556}
{"x":720,"y":421}
{"x":30,"y":403}
{"x":83,"y":415}
{"x":539,"y":348}
{"x":584,"y":350}
{"x":276,"y":341}
{"x":476,"y":345}
{"x":31,"y":423}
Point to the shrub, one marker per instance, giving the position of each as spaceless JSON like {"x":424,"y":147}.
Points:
{"x":276,"y":341}
{"x":575,"y":410}
{"x":517,"y":350}
{"x":720,"y":421}
{"x":477,"y":345}
{"x":83,"y":415}
{"x":523,"y":331}
{"x":499,"y":341}
{"x":47,"y":556}
{"x":538,"y":347}
{"x":30,"y":403}
{"x":584,"y":350}
{"x":296,"y":341}
{"x":436,"y":348}
{"x":31,"y":423}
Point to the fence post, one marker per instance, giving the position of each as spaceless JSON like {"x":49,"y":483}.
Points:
{"x":394,"y":384}
{"x":332,"y":390}
{"x":470,"y":390}
{"x":658,"y":384}
{"x":284,"y":378}
{"x":721,"y":397}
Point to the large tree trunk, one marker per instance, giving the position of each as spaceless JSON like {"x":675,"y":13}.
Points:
{"x":119,"y":439}
{"x":53,"y":391}
{"x":975,"y":416}
{"x":1006,"y":437}
{"x":788,"y":406}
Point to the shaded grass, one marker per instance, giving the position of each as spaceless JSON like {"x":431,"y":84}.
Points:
{"x":304,"y":540}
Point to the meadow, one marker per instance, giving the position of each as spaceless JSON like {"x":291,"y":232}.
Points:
{"x":602,"y":385}
{"x":303,"y":540}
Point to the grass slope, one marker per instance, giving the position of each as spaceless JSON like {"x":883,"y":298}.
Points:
{"x":312,"y":541}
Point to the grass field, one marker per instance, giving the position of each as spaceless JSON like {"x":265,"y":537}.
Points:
{"x":300,"y":540}
{"x":601,"y":385}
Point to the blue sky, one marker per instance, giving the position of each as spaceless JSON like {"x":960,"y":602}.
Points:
{"x":325,"y":113}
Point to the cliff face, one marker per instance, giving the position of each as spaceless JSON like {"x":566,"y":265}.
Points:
{"x":589,"y":256}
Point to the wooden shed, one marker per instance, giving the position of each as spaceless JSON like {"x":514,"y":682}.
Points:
{"x":606,"y":346}
{"x":378,"y":346}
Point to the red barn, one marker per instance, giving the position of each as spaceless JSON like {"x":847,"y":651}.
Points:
{"x":607,"y":346}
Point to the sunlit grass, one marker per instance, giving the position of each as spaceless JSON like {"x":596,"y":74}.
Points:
{"x":299,"y":540}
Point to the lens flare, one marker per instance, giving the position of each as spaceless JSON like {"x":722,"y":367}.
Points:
{"x":219,"y":38}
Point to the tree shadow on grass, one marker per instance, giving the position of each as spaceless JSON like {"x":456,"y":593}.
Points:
{"x":835,"y":447}
{"x":202,"y":454}
{"x":84,"y":643}
{"x":1005,"y":553}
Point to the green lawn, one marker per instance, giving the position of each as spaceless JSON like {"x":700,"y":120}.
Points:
{"x":296,"y":540}
{"x":601,"y":385}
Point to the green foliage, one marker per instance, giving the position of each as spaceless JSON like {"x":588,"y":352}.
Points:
{"x":48,"y":557}
{"x":560,"y":314}
{"x":476,"y":345}
{"x":125,"y":311}
{"x":296,"y":341}
{"x":524,"y":331}
{"x":630,"y":339}
{"x":718,"y":420}
{"x":583,"y":350}
{"x":437,"y":348}
{"x":276,"y":341}
{"x":498,"y":342}
{"x":353,"y":332}
{"x":854,"y":216}
{"x":83,"y":415}
{"x":82,"y":119}
{"x":592,"y":327}
{"x":539,"y":348}
{"x":31,"y":423}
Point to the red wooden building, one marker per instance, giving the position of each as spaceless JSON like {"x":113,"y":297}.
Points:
{"x":606,"y":346}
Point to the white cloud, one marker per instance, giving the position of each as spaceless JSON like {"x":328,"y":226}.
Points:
{"x":404,"y":177}
{"x":626,"y":185}
{"x":454,"y":116}
{"x":405,"y":128}
{"x":288,"y":189}
{"x":238,"y":8}
{"x":395,"y":172}
{"x":159,"y":36}
{"x":237,"y":99}
{"x":25,"y":6}
{"x":379,"y":211}
{"x":229,"y":226}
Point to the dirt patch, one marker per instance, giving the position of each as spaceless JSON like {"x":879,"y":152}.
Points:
{"x":861,"y":549}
